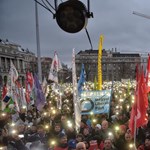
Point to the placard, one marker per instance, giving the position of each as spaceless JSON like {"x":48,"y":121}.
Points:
{"x":96,"y":102}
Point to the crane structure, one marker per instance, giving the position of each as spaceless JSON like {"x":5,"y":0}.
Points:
{"x":141,"y":15}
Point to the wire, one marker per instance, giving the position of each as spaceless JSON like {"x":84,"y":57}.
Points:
{"x":44,"y":6}
{"x":89,"y":38}
{"x":50,"y":5}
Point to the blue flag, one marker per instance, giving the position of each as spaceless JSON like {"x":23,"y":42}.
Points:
{"x":40,"y":98}
{"x":81,"y":80}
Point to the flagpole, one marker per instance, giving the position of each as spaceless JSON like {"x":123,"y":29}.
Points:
{"x":135,"y":130}
{"x":38,"y":43}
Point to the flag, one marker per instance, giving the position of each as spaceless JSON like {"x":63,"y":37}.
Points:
{"x":55,"y":67}
{"x":4,"y":91}
{"x":139,"y":108}
{"x":23,"y":98}
{"x":29,"y":86}
{"x":148,"y":75}
{"x":77,"y":111}
{"x":40,"y":98}
{"x":5,"y":100}
{"x":30,"y":80}
{"x":81,"y":80}
{"x":13,"y":75}
{"x":44,"y":85}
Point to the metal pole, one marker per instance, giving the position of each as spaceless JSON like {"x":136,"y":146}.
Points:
{"x":38,"y":43}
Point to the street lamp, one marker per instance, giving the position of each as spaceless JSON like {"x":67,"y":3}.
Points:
{"x":71,"y":16}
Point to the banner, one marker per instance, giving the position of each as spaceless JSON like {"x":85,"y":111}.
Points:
{"x":97,"y":102}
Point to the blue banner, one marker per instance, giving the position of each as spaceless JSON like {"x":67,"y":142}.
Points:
{"x":96,"y":102}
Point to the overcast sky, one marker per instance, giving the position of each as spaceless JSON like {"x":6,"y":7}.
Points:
{"x":112,"y":18}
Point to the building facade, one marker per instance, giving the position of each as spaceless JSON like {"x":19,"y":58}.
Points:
{"x":115,"y":65}
{"x":22,"y":59}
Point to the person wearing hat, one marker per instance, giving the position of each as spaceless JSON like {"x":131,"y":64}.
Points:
{"x":62,"y":142}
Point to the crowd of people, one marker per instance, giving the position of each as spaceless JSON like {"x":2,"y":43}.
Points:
{"x":34,"y":130}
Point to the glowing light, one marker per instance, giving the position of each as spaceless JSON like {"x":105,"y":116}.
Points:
{"x":45,"y":113}
{"x":3,"y":114}
{"x":131,"y":145}
{"x":94,"y":120}
{"x":128,"y":106}
{"x":117,"y":113}
{"x":121,"y":100}
{"x":54,"y":111}
{"x":117,"y":106}
{"x":24,"y":107}
{"x":47,"y":127}
{"x":14,"y":132}
{"x":53,"y":142}
{"x":13,"y":124}
{"x":110,"y":133}
{"x":91,"y":113}
{"x":69,"y":125}
{"x":117,"y":128}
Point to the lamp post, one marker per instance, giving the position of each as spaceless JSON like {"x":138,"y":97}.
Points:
{"x":38,"y":43}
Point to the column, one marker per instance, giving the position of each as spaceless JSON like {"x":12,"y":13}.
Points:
{"x":6,"y":65}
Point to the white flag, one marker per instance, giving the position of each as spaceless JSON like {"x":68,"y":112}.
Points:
{"x":13,"y":75}
{"x":77,"y":110}
{"x":55,"y":67}
{"x":44,"y":86}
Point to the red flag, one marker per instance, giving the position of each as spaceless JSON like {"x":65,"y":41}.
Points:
{"x":148,"y":75}
{"x":139,"y":108}
{"x":29,"y":85}
{"x":29,"y":78}
{"x":4,"y":92}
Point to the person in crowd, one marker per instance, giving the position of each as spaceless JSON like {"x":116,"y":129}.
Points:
{"x":87,"y":134}
{"x":80,"y":146}
{"x":96,"y":130}
{"x":15,"y":143}
{"x":87,"y":144}
{"x":79,"y":138}
{"x":147,"y":142}
{"x":40,"y":136}
{"x":146,"y":145}
{"x":54,"y":133}
{"x":128,"y":140}
{"x":82,"y":126}
{"x":62,"y":142}
{"x":119,"y":135}
{"x":105,"y":130}
{"x":108,"y":144}
{"x":72,"y":144}
{"x":88,"y":121}
{"x":70,"y":132}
